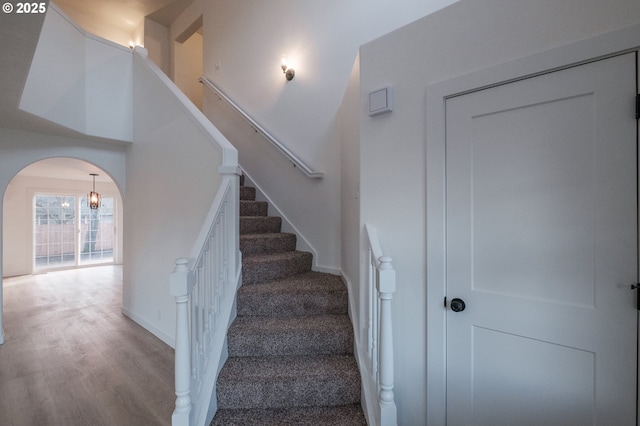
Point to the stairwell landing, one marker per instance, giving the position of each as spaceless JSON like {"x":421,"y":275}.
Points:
{"x":291,"y":356}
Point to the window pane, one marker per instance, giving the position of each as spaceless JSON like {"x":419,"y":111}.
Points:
{"x":96,"y":232}
{"x":54,"y":231}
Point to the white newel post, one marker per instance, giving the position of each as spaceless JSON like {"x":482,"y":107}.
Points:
{"x":386,"y":287}
{"x":179,"y":283}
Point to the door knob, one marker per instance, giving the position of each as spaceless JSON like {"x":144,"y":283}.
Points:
{"x":457,"y":305}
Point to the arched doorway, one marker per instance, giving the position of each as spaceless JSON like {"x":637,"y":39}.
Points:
{"x":47,"y":225}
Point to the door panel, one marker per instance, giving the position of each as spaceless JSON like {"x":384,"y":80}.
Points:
{"x":542,"y":246}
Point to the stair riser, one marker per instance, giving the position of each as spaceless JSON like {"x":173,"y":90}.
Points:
{"x":325,"y":342}
{"x":253,"y":208}
{"x":247,"y":193}
{"x":260,"y":225}
{"x":292,"y":304}
{"x":255,"y":272}
{"x":305,"y":392}
{"x":269,"y":243}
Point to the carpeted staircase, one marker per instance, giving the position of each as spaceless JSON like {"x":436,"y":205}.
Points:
{"x":291,"y":346}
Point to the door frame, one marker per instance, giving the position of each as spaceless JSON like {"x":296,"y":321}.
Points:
{"x":589,"y":50}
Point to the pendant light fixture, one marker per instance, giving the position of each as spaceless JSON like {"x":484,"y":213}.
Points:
{"x":94,"y":198}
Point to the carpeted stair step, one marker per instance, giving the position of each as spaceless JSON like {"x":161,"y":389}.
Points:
{"x":289,"y":381}
{"x":307,"y":335}
{"x":251,"y":244}
{"x":253,"y":208}
{"x":260,"y":224}
{"x":346,"y":415}
{"x":272,"y":266}
{"x":247,"y":193}
{"x":291,"y":345}
{"x":311,"y":293}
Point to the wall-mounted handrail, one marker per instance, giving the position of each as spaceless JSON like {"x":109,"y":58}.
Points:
{"x":297,"y":162}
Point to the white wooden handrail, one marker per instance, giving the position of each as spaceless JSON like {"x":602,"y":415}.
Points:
{"x":297,"y":162}
{"x":381,"y":284}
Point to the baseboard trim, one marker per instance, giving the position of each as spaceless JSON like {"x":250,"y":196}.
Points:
{"x":149,"y":327}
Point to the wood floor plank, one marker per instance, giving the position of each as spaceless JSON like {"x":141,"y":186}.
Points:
{"x":71,"y":358}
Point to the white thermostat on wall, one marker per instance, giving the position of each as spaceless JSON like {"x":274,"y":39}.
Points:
{"x":380,"y":101}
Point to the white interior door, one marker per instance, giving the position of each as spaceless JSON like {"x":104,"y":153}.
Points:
{"x":541,"y":192}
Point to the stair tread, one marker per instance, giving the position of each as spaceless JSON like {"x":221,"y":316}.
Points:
{"x":289,"y":368}
{"x":253,"y":208}
{"x":277,"y":324}
{"x":288,"y":381}
{"x":265,"y":267}
{"x":307,"y":335}
{"x":266,"y":257}
{"x":310,"y":327}
{"x":265,"y":235}
{"x":309,"y":282}
{"x":259,"y":224}
{"x":271,"y":242}
{"x":341,"y":415}
{"x":311,"y":293}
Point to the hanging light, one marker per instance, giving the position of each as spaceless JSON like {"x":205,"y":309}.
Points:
{"x":94,"y":198}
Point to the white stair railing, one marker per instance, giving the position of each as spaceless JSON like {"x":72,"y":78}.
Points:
{"x":204,"y":287}
{"x":381,"y":284}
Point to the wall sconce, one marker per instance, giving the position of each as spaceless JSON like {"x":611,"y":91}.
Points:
{"x":93,"y":198}
{"x":289,"y":73}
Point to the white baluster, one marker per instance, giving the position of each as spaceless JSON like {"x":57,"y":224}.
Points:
{"x":386,"y":288}
{"x":179,"y":283}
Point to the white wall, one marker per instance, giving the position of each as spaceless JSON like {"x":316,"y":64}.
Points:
{"x":172,"y":177}
{"x":108,"y":91}
{"x":181,"y":29}
{"x":247,"y":39}
{"x":80,"y":81}
{"x":349,"y":113}
{"x":467,"y":36}
{"x":188,"y":68}
{"x":55,"y":87}
{"x":18,"y":216}
{"x":156,"y":41}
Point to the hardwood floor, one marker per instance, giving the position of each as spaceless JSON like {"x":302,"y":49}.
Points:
{"x":71,"y":358}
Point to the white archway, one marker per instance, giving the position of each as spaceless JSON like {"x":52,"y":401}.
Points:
{"x":24,"y":149}
{"x":67,"y":177}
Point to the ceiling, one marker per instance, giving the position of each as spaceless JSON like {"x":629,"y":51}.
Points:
{"x":123,"y":15}
{"x":19,"y":35}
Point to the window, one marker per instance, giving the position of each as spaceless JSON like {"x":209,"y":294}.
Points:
{"x":62,"y":241}
{"x":96,"y":232}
